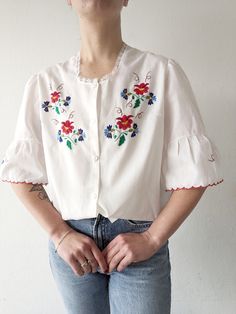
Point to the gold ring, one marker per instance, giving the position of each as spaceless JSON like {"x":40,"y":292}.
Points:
{"x":84,"y":264}
{"x":91,"y":260}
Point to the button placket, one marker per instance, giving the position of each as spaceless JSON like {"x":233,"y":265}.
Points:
{"x":95,"y":144}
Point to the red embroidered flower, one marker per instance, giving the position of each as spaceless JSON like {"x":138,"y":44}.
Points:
{"x":55,"y":96}
{"x":67,"y":126}
{"x":141,"y":89}
{"x":124,"y":122}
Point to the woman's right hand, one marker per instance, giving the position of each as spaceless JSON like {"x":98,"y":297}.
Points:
{"x":76,"y":248}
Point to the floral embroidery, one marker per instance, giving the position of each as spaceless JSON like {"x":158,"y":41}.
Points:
{"x":66,"y":129}
{"x":126,"y":123}
{"x":57,"y":102}
{"x":120,"y":130}
{"x":140,"y":93}
{"x":67,"y":132}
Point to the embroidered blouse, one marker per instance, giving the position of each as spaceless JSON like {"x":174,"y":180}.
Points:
{"x":116,"y":145}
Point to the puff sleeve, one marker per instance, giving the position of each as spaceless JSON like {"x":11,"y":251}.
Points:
{"x":24,"y":159}
{"x":190,"y":158}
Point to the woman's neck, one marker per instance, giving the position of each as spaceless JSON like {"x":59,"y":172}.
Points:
{"x":100,"y":41}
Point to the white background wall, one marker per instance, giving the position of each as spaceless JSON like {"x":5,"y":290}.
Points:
{"x":200,"y":35}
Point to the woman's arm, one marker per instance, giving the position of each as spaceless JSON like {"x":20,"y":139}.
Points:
{"x":138,"y":246}
{"x":176,"y":210}
{"x":74,"y":248}
{"x":36,"y":201}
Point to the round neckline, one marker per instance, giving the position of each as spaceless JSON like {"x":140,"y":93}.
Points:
{"x":106,"y":76}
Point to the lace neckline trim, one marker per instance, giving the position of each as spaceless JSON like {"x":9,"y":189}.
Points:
{"x":124,"y":47}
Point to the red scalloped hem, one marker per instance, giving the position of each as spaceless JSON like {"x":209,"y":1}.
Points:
{"x":195,"y":187}
{"x":22,"y":182}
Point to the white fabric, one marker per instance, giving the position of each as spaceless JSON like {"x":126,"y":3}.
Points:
{"x":24,"y":157}
{"x":69,"y":137}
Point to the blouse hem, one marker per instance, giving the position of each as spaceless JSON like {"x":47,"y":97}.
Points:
{"x":194,"y":187}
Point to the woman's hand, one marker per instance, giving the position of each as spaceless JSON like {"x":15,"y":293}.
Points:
{"x":76,"y":248}
{"x":127,"y":248}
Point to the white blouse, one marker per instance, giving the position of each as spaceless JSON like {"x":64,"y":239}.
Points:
{"x":114,"y":145}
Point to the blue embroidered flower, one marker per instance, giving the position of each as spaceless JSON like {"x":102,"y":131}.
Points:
{"x":107,"y":131}
{"x":67,"y":101}
{"x":45,"y":105}
{"x":124,"y":93}
{"x":82,"y":135}
{"x":135,"y":130}
{"x":59,"y":138}
{"x":151,"y":98}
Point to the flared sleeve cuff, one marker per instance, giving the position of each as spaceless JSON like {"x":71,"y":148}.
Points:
{"x":24,"y":162}
{"x":192,"y":161}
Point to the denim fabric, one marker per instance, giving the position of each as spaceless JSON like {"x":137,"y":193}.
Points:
{"x":141,"y":288}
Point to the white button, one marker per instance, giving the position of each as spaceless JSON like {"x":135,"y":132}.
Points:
{"x":96,"y":158}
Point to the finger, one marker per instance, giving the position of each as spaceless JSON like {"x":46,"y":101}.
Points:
{"x":83,"y":263}
{"x":115,"y":261}
{"x":99,"y":258}
{"x":76,"y":267}
{"x":109,"y":246}
{"x":92,"y":261}
{"x":126,"y":261}
{"x":104,"y":251}
{"x":111,"y":253}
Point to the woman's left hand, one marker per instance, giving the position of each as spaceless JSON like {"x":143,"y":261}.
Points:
{"x":127,"y":248}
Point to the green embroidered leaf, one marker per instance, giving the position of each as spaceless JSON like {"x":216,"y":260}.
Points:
{"x":137,"y":103}
{"x":57,"y":110}
{"x":115,"y":136}
{"x":68,"y":143}
{"x":122,"y":139}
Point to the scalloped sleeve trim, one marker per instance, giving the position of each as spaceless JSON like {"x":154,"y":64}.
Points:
{"x":194,"y":187}
{"x":28,"y":182}
{"x":191,"y":161}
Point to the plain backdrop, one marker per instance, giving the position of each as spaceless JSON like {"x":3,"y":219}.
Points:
{"x":200,"y":35}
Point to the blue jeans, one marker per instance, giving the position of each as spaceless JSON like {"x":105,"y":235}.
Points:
{"x":141,"y":288}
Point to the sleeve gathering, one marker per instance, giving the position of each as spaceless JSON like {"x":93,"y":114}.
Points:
{"x":190,"y":158}
{"x":24,"y":160}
